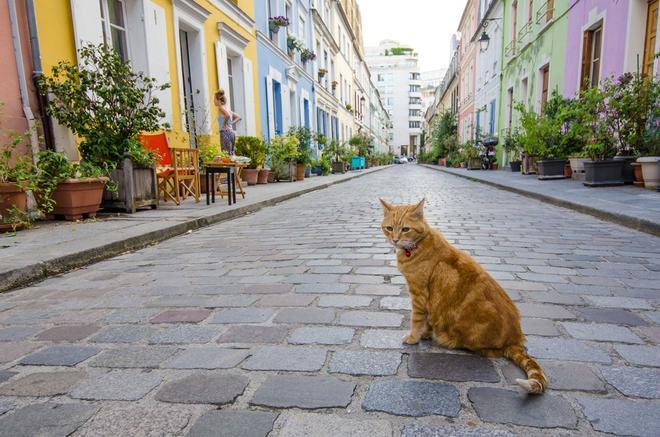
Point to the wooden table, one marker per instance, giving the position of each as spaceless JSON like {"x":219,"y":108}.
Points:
{"x":234,"y":175}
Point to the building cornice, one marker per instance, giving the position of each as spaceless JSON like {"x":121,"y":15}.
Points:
{"x":274,"y":47}
{"x":234,"y":37}
{"x":324,"y":29}
{"x":230,"y":9}
{"x":193,"y":9}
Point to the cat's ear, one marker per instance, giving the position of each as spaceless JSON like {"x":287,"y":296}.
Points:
{"x":418,"y":209}
{"x":386,"y":205}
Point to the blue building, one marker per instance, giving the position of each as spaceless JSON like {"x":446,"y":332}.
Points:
{"x":286,"y":82}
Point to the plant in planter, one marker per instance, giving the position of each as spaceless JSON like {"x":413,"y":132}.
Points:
{"x":292,"y":44}
{"x":470,"y":153}
{"x":274,"y":23}
{"x":334,"y":84}
{"x":349,"y":108}
{"x":336,"y":153}
{"x":324,"y":163}
{"x":307,"y":55}
{"x":513,"y":149}
{"x":304,"y":158}
{"x":283,"y":155}
{"x":322,"y":72}
{"x":255,"y":149}
{"x":16,"y":175}
{"x":68,"y":189}
{"x":543,"y":137}
{"x":632,"y":114}
{"x":107,"y":105}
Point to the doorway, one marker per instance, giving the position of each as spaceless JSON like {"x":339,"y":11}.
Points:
{"x":188,"y":96}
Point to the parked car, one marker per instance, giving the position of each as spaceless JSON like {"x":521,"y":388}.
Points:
{"x":400,"y":160}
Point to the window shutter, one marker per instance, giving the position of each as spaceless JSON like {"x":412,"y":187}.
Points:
{"x":586,"y":58}
{"x":221,"y":66}
{"x":286,"y":108}
{"x":158,"y":62}
{"x":248,"y":81}
{"x":270,"y":105}
{"x":87,"y":24}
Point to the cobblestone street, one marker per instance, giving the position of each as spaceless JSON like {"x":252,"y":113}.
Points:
{"x":288,"y":322}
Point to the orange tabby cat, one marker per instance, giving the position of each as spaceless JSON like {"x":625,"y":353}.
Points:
{"x":454,"y":300}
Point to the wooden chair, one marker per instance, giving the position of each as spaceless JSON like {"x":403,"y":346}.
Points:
{"x":178,"y":168}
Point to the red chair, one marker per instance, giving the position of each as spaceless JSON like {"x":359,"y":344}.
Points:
{"x":159,"y":144}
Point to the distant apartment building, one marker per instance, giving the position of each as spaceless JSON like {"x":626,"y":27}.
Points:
{"x":395,"y":72}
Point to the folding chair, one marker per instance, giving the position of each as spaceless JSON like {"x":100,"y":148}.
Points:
{"x":186,"y":172}
{"x":159,"y":144}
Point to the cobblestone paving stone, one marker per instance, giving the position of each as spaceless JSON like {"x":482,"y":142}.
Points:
{"x":297,"y":303}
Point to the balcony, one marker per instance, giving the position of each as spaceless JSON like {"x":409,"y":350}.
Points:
{"x":545,"y":13}
{"x":510,"y":49}
{"x":525,"y":33}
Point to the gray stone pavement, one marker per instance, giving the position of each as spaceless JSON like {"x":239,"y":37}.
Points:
{"x":628,"y":205}
{"x":288,"y":322}
{"x":55,"y":247}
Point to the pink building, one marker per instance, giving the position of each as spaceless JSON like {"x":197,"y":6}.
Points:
{"x":18,"y":95}
{"x":467,"y":72}
{"x":607,"y":38}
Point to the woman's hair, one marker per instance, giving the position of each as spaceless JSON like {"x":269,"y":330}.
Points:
{"x":220,"y":96}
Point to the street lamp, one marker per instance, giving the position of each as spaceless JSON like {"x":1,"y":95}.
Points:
{"x":484,"y":41}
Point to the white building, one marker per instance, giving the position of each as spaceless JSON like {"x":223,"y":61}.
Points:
{"x":487,"y":86}
{"x":431,"y":81}
{"x":395,"y":73}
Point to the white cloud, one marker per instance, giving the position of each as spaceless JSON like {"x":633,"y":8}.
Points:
{"x":425,"y":25}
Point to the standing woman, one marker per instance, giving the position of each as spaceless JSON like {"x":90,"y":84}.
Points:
{"x":226,"y":119}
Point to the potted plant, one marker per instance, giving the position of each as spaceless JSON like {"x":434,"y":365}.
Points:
{"x":471,"y":156}
{"x":255,"y":149}
{"x":307,"y":55}
{"x":325,"y":165}
{"x":284,"y":152}
{"x":336,"y":152}
{"x":274,"y":23}
{"x":292,"y":44}
{"x":512,"y":147}
{"x":632,"y":114}
{"x":349,"y":108}
{"x":334,"y":84}
{"x":15,"y":177}
{"x":304,"y":157}
{"x":107,"y":105}
{"x":322,"y":72}
{"x":543,"y":137}
{"x":67,"y":189}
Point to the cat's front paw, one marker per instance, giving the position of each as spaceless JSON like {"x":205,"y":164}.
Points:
{"x":411,"y":338}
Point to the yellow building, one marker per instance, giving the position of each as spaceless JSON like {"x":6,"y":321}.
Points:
{"x":195,"y":45}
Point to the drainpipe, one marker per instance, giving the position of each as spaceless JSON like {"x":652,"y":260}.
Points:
{"x":22,"y":84}
{"x":49,"y":136}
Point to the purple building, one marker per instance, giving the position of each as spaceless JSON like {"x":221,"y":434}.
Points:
{"x":607,"y":38}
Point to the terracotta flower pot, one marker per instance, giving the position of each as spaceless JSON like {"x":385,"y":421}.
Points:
{"x":271,"y":177}
{"x":568,"y":171}
{"x":639,"y":178}
{"x":12,"y":194}
{"x":650,"y":171}
{"x":250,"y":175}
{"x":300,"y":172}
{"x":77,"y":197}
{"x":264,"y":175}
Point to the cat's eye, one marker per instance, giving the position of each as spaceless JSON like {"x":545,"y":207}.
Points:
{"x":405,"y":229}
{"x":389,"y":228}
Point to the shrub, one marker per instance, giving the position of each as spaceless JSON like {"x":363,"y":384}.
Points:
{"x":254,"y":148}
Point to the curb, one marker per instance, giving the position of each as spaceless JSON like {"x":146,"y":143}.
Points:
{"x":638,"y":224}
{"x":30,"y":274}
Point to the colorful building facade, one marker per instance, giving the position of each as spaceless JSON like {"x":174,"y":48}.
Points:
{"x":196,"y":46}
{"x":467,"y":126}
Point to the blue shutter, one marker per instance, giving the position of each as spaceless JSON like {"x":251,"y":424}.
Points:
{"x":492,"y":117}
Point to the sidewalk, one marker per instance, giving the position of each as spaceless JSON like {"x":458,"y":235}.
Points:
{"x":629,"y":206}
{"x":54,"y":247}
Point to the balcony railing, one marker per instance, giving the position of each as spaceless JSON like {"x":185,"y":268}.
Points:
{"x":510,"y":49}
{"x":545,"y":12}
{"x":524,"y":32}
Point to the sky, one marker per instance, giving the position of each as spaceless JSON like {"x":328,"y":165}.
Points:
{"x":425,"y":25}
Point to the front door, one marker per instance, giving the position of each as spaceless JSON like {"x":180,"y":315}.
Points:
{"x":188,"y":97}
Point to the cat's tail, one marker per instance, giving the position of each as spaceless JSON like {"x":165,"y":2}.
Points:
{"x":536,"y":381}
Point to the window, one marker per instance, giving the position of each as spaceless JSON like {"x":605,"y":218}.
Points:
{"x":591,"y":54}
{"x":381,"y":78}
{"x":414,"y":113}
{"x":230,"y":74}
{"x":114,"y":26}
{"x":651,"y":32}
{"x":414,"y":88}
{"x":550,"y":10}
{"x":530,"y":10}
{"x":523,"y":91}
{"x":514,"y":25}
{"x":545,"y":79}
{"x":414,"y":124}
{"x":509,"y":107}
